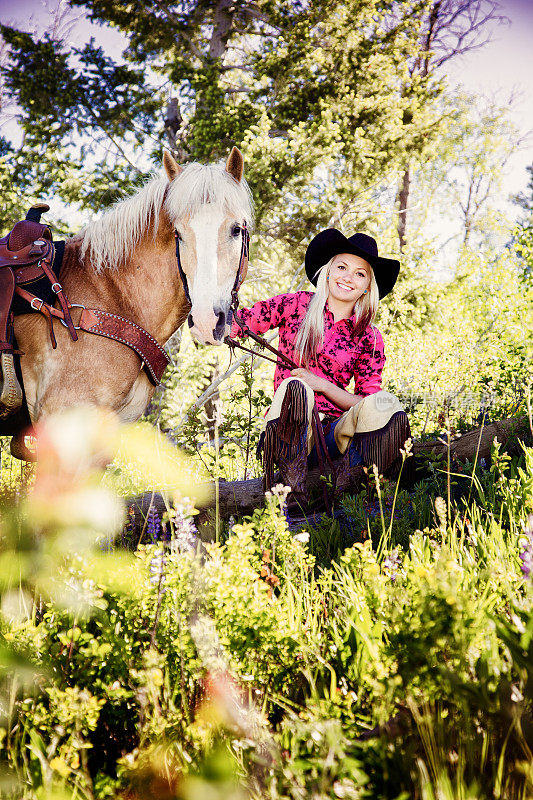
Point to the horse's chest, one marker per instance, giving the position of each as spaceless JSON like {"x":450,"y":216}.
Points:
{"x":136,"y":400}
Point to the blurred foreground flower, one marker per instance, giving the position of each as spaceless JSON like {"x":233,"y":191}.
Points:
{"x":65,"y":512}
{"x":68,"y":500}
{"x":526,"y":553}
{"x":158,"y":465}
{"x":76,"y":442}
{"x":71,"y":508}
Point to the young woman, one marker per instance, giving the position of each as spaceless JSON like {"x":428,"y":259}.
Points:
{"x":330,"y":334}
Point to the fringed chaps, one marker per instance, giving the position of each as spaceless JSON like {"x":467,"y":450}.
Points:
{"x":284,"y":442}
{"x":382,"y":448}
{"x":284,"y":445}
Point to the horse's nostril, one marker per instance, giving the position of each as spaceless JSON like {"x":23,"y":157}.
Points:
{"x":190,"y":321}
{"x":220,"y":327}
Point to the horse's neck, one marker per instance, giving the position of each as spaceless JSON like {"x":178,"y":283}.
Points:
{"x":147,"y":289}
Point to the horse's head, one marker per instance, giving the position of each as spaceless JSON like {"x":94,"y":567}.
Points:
{"x":210,"y":209}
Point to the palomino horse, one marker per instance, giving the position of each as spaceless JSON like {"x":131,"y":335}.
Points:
{"x":125,"y":263}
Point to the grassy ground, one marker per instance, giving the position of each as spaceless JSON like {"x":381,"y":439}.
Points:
{"x":385,"y":654}
{"x":273,"y":665}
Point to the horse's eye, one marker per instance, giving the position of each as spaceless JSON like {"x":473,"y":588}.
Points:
{"x":178,"y":236}
{"x":235,"y":230}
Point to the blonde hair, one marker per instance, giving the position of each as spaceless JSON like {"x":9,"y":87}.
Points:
{"x":310,"y":338}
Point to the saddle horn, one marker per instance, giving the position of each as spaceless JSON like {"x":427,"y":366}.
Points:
{"x":34,"y":214}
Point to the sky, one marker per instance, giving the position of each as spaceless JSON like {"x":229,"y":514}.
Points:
{"x":503,"y":67}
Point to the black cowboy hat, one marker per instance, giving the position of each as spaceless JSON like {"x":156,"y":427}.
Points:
{"x":331,"y":242}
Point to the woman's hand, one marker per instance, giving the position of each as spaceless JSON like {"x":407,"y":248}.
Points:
{"x":315,"y":382}
{"x":338,"y":396}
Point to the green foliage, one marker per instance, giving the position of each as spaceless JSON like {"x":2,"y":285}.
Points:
{"x":273,"y":665}
{"x":252,"y":671}
{"x":76,"y":103}
{"x":320,"y":98}
{"x":472,"y":356}
{"x":341,"y":108}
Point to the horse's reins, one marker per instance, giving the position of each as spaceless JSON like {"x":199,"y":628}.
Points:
{"x":318,"y":433}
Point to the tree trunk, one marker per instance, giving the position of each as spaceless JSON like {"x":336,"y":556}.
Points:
{"x":238,"y":498}
{"x":222,"y":22}
{"x":173,"y":128}
{"x":403,"y":202}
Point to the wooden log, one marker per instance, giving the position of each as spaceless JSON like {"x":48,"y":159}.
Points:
{"x":508,"y":432}
{"x":239,"y":498}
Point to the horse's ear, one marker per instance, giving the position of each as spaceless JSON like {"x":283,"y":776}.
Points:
{"x":235,"y":164}
{"x":172,"y":168}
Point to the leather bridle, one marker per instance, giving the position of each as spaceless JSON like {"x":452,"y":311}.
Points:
{"x":243,"y":263}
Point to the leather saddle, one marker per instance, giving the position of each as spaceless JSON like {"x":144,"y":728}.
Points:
{"x":29,"y":265}
{"x":21,"y":253}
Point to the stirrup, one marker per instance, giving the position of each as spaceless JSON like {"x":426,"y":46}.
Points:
{"x":10,"y":391}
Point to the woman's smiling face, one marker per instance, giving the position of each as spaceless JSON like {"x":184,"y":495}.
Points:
{"x":349,"y":276}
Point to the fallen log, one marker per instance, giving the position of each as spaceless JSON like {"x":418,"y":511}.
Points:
{"x":239,"y":498}
{"x":509,"y":433}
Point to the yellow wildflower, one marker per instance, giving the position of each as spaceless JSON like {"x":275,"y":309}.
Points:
{"x":157,"y":676}
{"x":59,"y":765}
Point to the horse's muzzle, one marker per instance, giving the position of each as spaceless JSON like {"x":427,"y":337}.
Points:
{"x":209,"y":328}
{"x":220,"y":328}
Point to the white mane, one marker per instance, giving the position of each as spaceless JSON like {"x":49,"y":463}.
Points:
{"x":199,"y":185}
{"x":110,"y":240}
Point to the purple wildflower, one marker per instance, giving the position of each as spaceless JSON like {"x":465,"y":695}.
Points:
{"x":153,"y":525}
{"x":526,"y":554}
{"x":185,"y":534}
{"x":391,"y":563}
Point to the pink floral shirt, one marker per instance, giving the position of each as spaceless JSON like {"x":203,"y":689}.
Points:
{"x":344,"y":355}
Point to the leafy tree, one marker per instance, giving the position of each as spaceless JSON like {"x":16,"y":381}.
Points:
{"x":336,"y":122}
{"x":318,"y":96}
{"x":74,"y":111}
{"x":456,"y":196}
{"x":449,"y":28}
